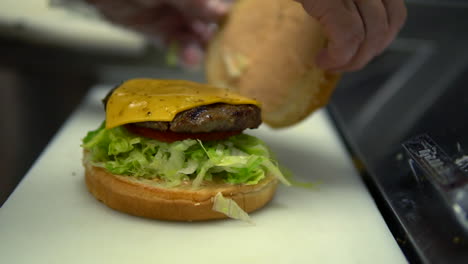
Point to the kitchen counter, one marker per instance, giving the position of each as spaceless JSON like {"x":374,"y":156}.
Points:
{"x":51,"y":217}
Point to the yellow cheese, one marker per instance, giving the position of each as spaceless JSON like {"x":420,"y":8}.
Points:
{"x":141,"y":100}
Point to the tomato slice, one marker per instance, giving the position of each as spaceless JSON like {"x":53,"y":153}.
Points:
{"x":170,"y":136}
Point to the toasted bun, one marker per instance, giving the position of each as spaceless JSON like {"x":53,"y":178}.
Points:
{"x":266,"y":50}
{"x":147,"y":198}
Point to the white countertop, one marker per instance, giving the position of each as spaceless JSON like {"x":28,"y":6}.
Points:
{"x":51,"y":217}
{"x":38,"y":21}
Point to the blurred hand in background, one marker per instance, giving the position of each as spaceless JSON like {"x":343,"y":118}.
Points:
{"x":358,"y":30}
{"x":189,"y":24}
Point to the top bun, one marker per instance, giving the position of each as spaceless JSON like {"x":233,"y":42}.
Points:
{"x":266,"y":50}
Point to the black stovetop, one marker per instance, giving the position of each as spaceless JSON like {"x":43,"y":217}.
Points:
{"x":419,"y":87}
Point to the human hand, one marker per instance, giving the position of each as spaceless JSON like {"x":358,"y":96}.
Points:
{"x":187,"y":23}
{"x":357,"y":30}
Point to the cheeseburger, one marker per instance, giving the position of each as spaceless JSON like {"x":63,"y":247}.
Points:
{"x":175,"y":150}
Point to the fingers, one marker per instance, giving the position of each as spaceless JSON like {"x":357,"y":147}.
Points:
{"x":357,"y":30}
{"x":396,"y":14}
{"x":382,"y":20}
{"x":344,"y":29}
{"x":375,"y":21}
{"x":163,"y":23}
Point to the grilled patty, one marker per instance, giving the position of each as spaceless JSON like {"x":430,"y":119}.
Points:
{"x":217,"y":117}
{"x":211,"y":118}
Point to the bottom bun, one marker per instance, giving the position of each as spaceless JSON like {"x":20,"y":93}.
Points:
{"x":148,"y":198}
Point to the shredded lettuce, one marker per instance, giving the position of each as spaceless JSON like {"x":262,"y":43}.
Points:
{"x":240,"y":159}
{"x":230,"y":208}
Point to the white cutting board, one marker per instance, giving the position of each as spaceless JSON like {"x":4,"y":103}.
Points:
{"x":51,"y":218}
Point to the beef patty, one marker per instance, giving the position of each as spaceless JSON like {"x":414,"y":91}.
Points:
{"x":211,"y":118}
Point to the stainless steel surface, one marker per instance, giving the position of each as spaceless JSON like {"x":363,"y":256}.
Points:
{"x":429,"y":162}
{"x":418,"y":86}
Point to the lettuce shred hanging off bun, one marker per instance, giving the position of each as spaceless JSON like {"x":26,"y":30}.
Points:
{"x":175,"y":150}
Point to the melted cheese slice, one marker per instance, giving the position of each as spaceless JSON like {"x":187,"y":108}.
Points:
{"x":141,"y":100}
